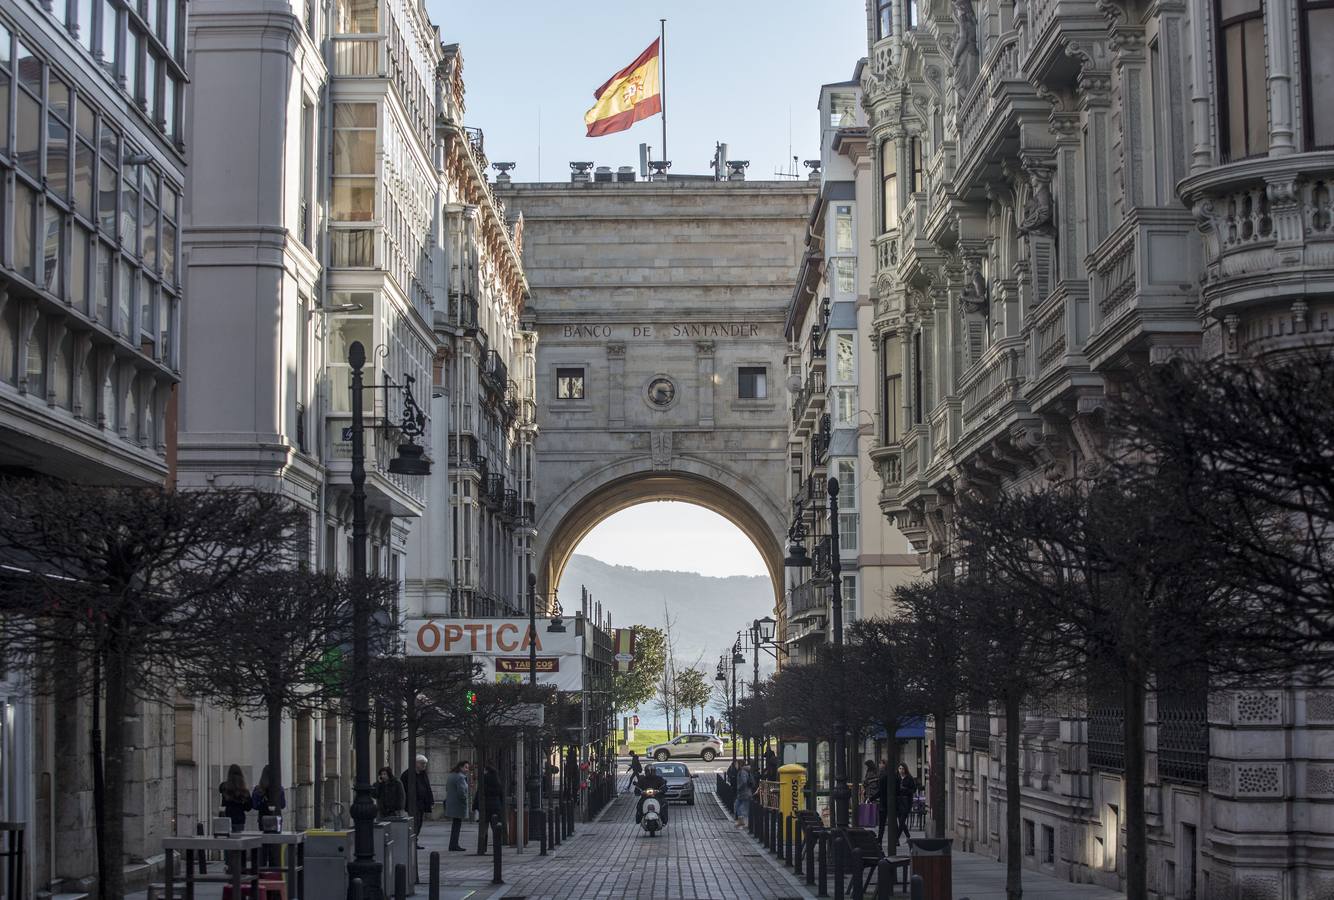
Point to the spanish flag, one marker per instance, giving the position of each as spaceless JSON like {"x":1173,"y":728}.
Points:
{"x":631,"y":94}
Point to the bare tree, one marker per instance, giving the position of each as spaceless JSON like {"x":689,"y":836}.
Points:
{"x":111,"y":581}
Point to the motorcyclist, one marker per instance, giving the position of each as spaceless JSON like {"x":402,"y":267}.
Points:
{"x":651,"y":781}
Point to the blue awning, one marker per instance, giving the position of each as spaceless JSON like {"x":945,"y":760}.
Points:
{"x":908,"y":729}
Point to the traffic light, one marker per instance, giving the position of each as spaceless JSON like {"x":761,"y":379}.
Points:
{"x":470,"y":698}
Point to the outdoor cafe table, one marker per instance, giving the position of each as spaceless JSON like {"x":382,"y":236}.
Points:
{"x":233,"y":852}
{"x":294,"y":868}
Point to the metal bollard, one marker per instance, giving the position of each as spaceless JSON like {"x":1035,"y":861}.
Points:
{"x":495,"y":851}
{"x":917,"y":889}
{"x":433,"y":885}
{"x":355,"y":891}
{"x":884,"y":880}
{"x":799,"y":839}
{"x":823,"y":889}
{"x":541,"y":829}
{"x":775,"y":847}
{"x":400,"y":882}
{"x":840,"y":861}
{"x":556,"y":826}
{"x":203,"y":857}
{"x":789,"y":827}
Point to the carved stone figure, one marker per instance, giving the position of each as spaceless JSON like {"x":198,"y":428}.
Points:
{"x":1037,"y":208}
{"x":975,"y":297}
{"x":966,"y":50}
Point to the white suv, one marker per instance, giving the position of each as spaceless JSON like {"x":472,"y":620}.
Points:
{"x":706,"y":746}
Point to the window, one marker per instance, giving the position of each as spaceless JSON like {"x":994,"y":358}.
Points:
{"x":354,"y":162}
{"x":891,"y":357}
{"x":889,"y":186}
{"x":884,"y":19}
{"x":845,"y":407}
{"x":570,"y":383}
{"x":845,"y":362}
{"x":846,"y":472}
{"x":307,"y":151}
{"x":1242,"y":80}
{"x":752,"y":383}
{"x":1318,"y":72}
{"x":1048,"y":844}
{"x":356,"y":17}
{"x":843,"y":240}
{"x":916,"y":182}
{"x":909,"y":14}
{"x":842,"y":110}
{"x":845,"y":274}
{"x":849,"y":594}
{"x":108,"y":45}
{"x":1030,"y":838}
{"x":917,"y":378}
{"x":25,"y":238}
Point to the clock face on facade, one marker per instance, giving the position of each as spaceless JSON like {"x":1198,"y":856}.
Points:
{"x":661,"y":392}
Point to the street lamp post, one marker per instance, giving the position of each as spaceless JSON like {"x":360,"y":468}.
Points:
{"x":841,"y":792}
{"x":534,"y":777}
{"x":409,"y":461}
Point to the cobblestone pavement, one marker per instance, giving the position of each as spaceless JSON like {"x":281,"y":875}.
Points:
{"x":701,"y":854}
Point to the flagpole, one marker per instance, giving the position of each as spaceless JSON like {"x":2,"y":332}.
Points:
{"x":662,"y":87}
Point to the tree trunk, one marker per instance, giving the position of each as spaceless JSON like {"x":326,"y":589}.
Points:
{"x":113,"y":761}
{"x":938,"y":775}
{"x":1014,"y":850}
{"x":410,"y":788}
{"x":1136,"y":829}
{"x":275,"y":796}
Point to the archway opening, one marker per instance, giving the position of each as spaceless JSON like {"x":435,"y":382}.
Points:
{"x":680,"y":567}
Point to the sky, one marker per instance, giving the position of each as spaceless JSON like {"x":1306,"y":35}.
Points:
{"x":745,"y":73}
{"x":701,"y":541}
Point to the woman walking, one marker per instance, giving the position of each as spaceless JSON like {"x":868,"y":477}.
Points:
{"x":388,"y":793}
{"x":456,"y":801}
{"x":745,"y":784}
{"x":235,"y":795}
{"x":904,"y":791}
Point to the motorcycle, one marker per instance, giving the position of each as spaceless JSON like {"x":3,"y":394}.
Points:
{"x":650,"y":812}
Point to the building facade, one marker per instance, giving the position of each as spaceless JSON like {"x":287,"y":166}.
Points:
{"x":832,"y":381}
{"x":92,"y":172}
{"x":1067,"y":192}
{"x":359,"y":211}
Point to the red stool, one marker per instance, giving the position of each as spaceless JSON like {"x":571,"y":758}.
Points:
{"x":269,"y":889}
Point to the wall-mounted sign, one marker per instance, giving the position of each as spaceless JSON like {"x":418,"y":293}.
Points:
{"x":501,"y":646}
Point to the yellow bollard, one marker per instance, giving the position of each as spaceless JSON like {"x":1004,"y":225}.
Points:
{"x":792,"y":785}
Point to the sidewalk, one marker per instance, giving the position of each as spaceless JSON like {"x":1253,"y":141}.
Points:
{"x":983,"y":878}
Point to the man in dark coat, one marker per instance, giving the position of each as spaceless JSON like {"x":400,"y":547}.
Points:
{"x":489,"y":801}
{"x":417,"y":786}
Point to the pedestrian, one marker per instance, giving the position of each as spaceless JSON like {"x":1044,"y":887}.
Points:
{"x":745,"y":784}
{"x":417,"y":787}
{"x":870,"y":793}
{"x":904,"y":792}
{"x":489,"y":801}
{"x":636,"y":768}
{"x":770,"y":765}
{"x":236,"y":800}
{"x":456,"y":801}
{"x":883,"y":798}
{"x":694,"y":724}
{"x":388,"y":793}
{"x":262,"y":797}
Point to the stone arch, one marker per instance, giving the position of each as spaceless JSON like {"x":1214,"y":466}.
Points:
{"x":628,"y":482}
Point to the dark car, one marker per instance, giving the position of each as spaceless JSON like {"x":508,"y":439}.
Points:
{"x":680,"y":783}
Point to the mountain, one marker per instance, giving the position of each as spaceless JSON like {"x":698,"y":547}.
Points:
{"x":706,"y":611}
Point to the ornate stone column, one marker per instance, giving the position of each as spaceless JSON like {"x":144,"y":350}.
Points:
{"x":1278,"y":36}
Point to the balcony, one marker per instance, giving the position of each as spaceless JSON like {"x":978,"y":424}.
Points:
{"x":509,"y":507}
{"x":476,"y":143}
{"x":805,"y":600}
{"x":809,"y":401}
{"x":465,"y":452}
{"x":1000,"y":93}
{"x":824,"y":435}
{"x":822,"y":561}
{"x":493,"y":491}
{"x":1142,"y":285}
{"x":463,"y":310}
{"x":1268,"y":228}
{"x":1050,"y":25}
{"x":495,"y":374}
{"x":991,"y":386}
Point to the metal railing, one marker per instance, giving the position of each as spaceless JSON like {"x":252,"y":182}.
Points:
{"x":1106,"y":737}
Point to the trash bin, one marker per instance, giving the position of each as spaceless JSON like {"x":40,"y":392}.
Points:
{"x":932,"y":860}
{"x":384,"y":852}
{"x":404,"y":850}
{"x":327,"y":854}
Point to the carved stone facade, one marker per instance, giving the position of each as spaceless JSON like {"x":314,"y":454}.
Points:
{"x":660,"y":358}
{"x":1059,"y":207}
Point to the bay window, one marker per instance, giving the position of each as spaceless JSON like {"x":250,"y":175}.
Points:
{"x":891,"y":357}
{"x":354,"y":162}
{"x":884,"y":19}
{"x":845,"y":360}
{"x":1317,"y":18}
{"x":356,"y":17}
{"x":1243,"y":120}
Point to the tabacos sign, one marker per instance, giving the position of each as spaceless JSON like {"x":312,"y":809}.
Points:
{"x":483,"y":637}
